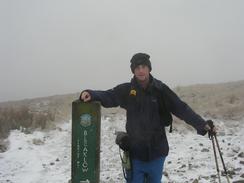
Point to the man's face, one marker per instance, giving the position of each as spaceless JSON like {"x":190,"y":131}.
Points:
{"x":142,"y":72}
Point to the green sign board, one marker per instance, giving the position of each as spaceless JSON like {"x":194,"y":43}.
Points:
{"x":86,"y":124}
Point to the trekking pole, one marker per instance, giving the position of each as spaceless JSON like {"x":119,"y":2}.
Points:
{"x":220,"y":154}
{"x":215,"y":156}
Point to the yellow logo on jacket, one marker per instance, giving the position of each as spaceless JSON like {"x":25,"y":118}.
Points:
{"x":133,"y":92}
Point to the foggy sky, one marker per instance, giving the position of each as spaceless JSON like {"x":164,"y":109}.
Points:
{"x":50,"y":47}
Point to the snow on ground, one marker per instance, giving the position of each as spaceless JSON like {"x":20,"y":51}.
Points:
{"x":44,"y":157}
{"x":47,"y":161}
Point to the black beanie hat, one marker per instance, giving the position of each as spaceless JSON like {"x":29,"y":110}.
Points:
{"x":140,"y":59}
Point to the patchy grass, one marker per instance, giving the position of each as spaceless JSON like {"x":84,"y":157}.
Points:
{"x":34,"y":113}
{"x":216,"y":101}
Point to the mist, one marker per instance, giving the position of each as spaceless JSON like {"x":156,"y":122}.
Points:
{"x":57,"y":47}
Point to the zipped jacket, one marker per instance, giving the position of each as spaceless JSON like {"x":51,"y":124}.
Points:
{"x":147,"y":112}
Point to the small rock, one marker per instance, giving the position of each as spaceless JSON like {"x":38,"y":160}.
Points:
{"x":4,"y":145}
{"x":37,"y":142}
{"x":205,"y":177}
{"x":237,"y":169}
{"x":205,"y":150}
{"x":238,"y":181}
{"x":214,"y":176}
{"x":200,"y":144}
{"x":59,"y":129}
{"x":230,"y":172}
{"x":195,"y":181}
{"x":166,"y":174}
{"x":26,"y":131}
{"x":242,"y":176}
{"x":57,"y":160}
{"x":169,"y":162}
{"x":236,"y":149}
{"x":242,"y":162}
{"x":52,"y":163}
{"x":241,"y":155}
{"x":183,"y":166}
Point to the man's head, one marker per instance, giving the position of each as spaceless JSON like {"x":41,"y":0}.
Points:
{"x":140,"y":59}
{"x":141,"y":67}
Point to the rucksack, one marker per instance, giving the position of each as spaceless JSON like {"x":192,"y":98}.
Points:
{"x":126,"y":161}
{"x":122,"y":140}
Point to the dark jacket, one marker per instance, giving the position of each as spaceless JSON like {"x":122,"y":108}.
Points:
{"x":144,"y":124}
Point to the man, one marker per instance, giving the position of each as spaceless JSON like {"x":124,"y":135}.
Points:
{"x":149,"y":104}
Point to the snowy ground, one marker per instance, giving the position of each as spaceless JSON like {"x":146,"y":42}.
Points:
{"x":44,"y":157}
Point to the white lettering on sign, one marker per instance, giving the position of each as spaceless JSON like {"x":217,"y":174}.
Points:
{"x":85,"y":181}
{"x":85,"y":153}
{"x":78,"y":153}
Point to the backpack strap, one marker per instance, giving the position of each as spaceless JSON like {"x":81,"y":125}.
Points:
{"x":165,"y":115}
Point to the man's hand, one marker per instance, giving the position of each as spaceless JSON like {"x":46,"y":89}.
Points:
{"x":85,"y":96}
{"x":210,"y":128}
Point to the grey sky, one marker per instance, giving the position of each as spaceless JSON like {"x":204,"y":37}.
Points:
{"x":50,"y":47}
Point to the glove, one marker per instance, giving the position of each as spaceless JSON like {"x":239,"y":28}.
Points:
{"x":122,"y":140}
{"x":210,"y":128}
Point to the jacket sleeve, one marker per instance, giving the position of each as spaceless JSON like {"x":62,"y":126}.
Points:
{"x":110,"y":98}
{"x":183,"y":111}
